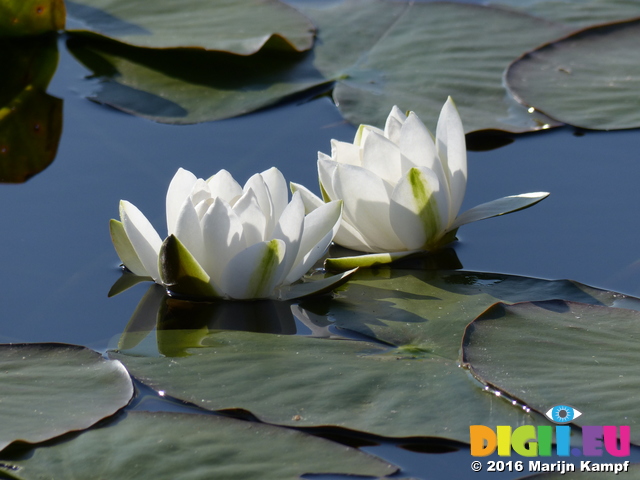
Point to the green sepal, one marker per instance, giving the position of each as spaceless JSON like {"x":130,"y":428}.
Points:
{"x":315,"y":287}
{"x":124,"y":248}
{"x":363,"y":261}
{"x":181,"y":273}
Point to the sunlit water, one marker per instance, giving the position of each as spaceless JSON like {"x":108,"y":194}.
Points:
{"x":59,"y":262}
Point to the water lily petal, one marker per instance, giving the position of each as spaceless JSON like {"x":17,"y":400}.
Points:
{"x":224,"y":186}
{"x":315,"y":287}
{"x":343,"y":152}
{"x":222,"y":232}
{"x":369,"y":209}
{"x":393,"y":125}
{"x":277,"y":187}
{"x":180,"y":271}
{"x":188,"y":229}
{"x":349,"y":237}
{"x":326,"y":169}
{"x":289,"y":229}
{"x":498,"y":207}
{"x":419,"y":208}
{"x":251,"y":216}
{"x":143,"y":237}
{"x":256,"y":183}
{"x":124,"y":249}
{"x":320,"y":226}
{"x":180,"y":188}
{"x":452,"y":150}
{"x":381,"y":156}
{"x":362,"y":133}
{"x":347,"y":263}
{"x":253,"y":272}
{"x":311,"y":200}
{"x":200,"y":191}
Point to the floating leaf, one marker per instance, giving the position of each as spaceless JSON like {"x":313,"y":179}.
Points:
{"x":168,"y":446}
{"x":576,"y":14}
{"x":240,"y":27}
{"x":558,"y":353}
{"x":30,"y":17}
{"x":190,"y":86}
{"x":30,"y":119}
{"x":423,"y":52}
{"x":586,"y":79}
{"x":51,"y":389}
{"x":400,"y":383}
{"x":380,"y":53}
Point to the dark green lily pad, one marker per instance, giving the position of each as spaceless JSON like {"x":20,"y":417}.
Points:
{"x":577,"y":14}
{"x":587,"y":79}
{"x":30,"y":119}
{"x":380,"y":53}
{"x":51,"y":389}
{"x":429,"y":310}
{"x":558,"y":353}
{"x":191,"y":86}
{"x":240,"y":27}
{"x":423,"y":52}
{"x":169,"y":446}
{"x":300,"y":381}
{"x":405,"y":381}
{"x":30,"y":17}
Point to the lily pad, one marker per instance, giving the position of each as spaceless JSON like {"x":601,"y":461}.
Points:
{"x":52,"y":389}
{"x":30,"y":119}
{"x":397,"y":381}
{"x":240,"y":27}
{"x":586,"y":79}
{"x":558,"y":353}
{"x":425,"y":52}
{"x":379,"y":52}
{"x":163,"y":445}
{"x":191,"y":86}
{"x":30,"y":17}
{"x":576,"y":14}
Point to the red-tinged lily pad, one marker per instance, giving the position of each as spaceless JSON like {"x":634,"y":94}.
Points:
{"x":31,"y":17}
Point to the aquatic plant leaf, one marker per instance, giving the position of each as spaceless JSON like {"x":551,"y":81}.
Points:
{"x":31,"y":17}
{"x":561,"y":353}
{"x":422,"y":53}
{"x":30,"y":119}
{"x":240,"y":27}
{"x":586,"y":79}
{"x":191,"y":86}
{"x":577,"y":14}
{"x":51,"y":389}
{"x":167,"y":446}
{"x":399,"y":380}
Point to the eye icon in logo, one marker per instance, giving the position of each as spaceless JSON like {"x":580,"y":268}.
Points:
{"x":563,"y":414}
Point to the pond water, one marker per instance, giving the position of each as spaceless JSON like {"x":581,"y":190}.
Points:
{"x":59,"y":263}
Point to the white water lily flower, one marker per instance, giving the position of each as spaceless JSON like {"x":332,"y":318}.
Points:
{"x":402,"y":190}
{"x":229,"y":241}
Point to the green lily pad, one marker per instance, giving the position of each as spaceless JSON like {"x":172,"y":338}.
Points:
{"x":30,"y":17}
{"x":30,"y":119}
{"x":169,"y":446}
{"x":586,"y":79}
{"x":191,"y":86}
{"x":52,"y":389}
{"x":577,"y":14}
{"x":423,"y":52}
{"x":301,"y":381}
{"x":240,"y":27}
{"x":379,"y":52}
{"x":558,"y":353}
{"x":399,"y":383}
